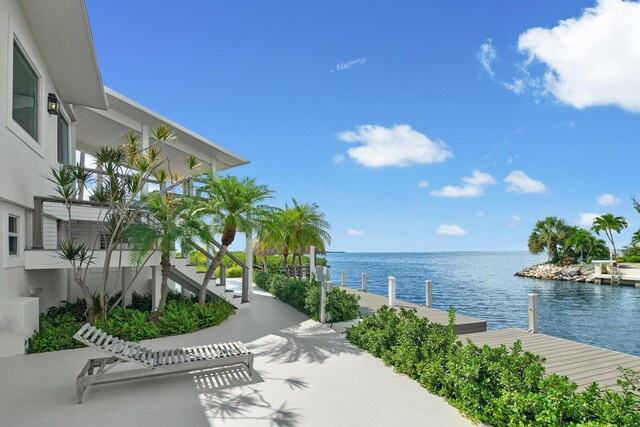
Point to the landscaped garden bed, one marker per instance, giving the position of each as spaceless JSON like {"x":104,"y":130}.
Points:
{"x":304,"y":295}
{"x":132,"y":323}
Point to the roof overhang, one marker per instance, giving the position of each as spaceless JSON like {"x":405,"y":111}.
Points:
{"x":63,"y":35}
{"x":97,"y":127}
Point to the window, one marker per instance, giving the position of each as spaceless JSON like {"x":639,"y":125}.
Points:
{"x":25,"y":93}
{"x":13,"y":235}
{"x":63,"y":140}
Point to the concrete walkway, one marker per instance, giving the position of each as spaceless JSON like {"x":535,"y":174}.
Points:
{"x":305,"y":375}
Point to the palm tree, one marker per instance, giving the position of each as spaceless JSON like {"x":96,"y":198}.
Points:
{"x":548,"y":234}
{"x":609,"y":223}
{"x":582,"y":242}
{"x":173,"y":218}
{"x":236,"y":206}
{"x":308,"y":227}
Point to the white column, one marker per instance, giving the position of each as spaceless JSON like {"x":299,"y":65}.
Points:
{"x":312,"y":263}
{"x":344,"y":278}
{"x":126,"y":278}
{"x":533,"y":313}
{"x":392,"y":291}
{"x":364,"y":282}
{"x":427,"y":284}
{"x":156,"y":282}
{"x":248,"y":252}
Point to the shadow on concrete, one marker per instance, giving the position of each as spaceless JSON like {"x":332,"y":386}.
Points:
{"x":222,"y":405}
{"x":313,"y":343}
{"x":223,"y":378}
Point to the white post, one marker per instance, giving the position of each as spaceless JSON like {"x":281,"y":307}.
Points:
{"x":428,"y":292}
{"x":364,"y":282}
{"x":533,"y":313}
{"x":248,"y":252}
{"x":392,"y":291}
{"x":156,"y":283}
{"x":321,"y":276}
{"x":344,"y":278}
{"x":327,"y":277}
{"x":312,"y":263}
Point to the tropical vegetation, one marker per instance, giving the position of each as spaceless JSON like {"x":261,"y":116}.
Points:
{"x":609,"y":223}
{"x":304,"y":295}
{"x":132,"y":323}
{"x":496,"y":386}
{"x":564,"y":243}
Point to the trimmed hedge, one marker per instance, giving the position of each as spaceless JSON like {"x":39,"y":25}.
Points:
{"x":305,"y":296}
{"x":133,"y":323}
{"x":493,"y":385}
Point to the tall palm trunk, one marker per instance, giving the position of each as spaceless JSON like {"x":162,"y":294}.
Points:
{"x":264,"y":264}
{"x":286,"y":264}
{"x":227,"y":239}
{"x":217,"y":260}
{"x":165,"y":265}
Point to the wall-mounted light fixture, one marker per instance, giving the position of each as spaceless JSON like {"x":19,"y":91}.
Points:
{"x":53,"y":106}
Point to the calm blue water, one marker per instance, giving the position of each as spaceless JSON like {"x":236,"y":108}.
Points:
{"x":482,"y":285}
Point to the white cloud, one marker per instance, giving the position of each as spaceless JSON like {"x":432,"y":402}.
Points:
{"x":423,"y":184}
{"x":486,"y":55}
{"x":453,"y":191}
{"x":350,"y":64}
{"x":479,"y":179}
{"x":473,"y":186}
{"x":517,"y":87}
{"x":592,"y":59}
{"x":607,"y":199}
{"x":352,"y":232}
{"x":450,"y":230}
{"x":338,"y":158}
{"x":519,"y":182}
{"x":515,"y":220}
{"x":586,"y":219}
{"x":479,"y":213}
{"x":399,"y":146}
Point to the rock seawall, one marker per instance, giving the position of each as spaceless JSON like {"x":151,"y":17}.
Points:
{"x":573,"y":273}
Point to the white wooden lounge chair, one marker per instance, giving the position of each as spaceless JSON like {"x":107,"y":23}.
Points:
{"x":152,"y":363}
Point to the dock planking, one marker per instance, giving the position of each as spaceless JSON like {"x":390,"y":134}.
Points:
{"x":464,"y":325}
{"x":582,"y":363}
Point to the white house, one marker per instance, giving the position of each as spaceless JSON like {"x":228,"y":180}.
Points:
{"x":47,"y":55}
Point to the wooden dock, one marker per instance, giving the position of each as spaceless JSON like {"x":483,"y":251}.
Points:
{"x":582,"y":363}
{"x":464,"y":325}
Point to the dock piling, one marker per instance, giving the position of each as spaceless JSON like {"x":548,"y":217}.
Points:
{"x":364,"y":282}
{"x":392,"y":291}
{"x":533,"y":313}
{"x":344,"y":278}
{"x":428,"y":293}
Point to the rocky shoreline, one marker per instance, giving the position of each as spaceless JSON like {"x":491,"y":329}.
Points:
{"x":573,"y":273}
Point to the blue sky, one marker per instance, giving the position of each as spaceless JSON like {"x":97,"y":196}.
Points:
{"x":416,"y":126}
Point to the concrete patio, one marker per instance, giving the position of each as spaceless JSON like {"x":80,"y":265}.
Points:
{"x":305,"y":374}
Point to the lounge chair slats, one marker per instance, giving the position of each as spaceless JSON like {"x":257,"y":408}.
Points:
{"x":160,"y":362}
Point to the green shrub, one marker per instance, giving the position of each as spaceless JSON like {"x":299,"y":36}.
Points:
{"x":234,"y":271}
{"x":181,"y":315}
{"x":56,"y":333}
{"x":260,"y":278}
{"x":491,"y":385}
{"x":304,"y":295}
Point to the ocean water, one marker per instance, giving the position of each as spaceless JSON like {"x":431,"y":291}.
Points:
{"x":482,"y":285}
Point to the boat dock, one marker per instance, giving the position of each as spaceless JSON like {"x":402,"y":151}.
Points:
{"x":464,"y":325}
{"x":582,"y":363}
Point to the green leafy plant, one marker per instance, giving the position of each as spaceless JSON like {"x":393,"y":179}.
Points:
{"x":496,"y":386}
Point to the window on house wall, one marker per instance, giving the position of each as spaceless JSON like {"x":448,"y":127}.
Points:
{"x":63,"y":140}
{"x":25,"y":93}
{"x":13,"y":235}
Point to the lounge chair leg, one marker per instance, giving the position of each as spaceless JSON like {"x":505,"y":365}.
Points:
{"x":250,"y":364}
{"x":80,"y":387}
